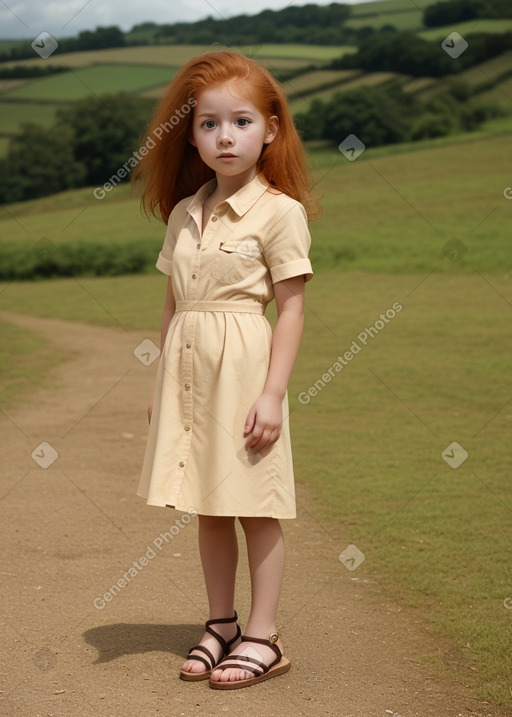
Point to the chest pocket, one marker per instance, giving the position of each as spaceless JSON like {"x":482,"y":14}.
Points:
{"x":235,"y":260}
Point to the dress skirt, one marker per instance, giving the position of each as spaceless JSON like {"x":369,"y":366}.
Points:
{"x":213,"y":367}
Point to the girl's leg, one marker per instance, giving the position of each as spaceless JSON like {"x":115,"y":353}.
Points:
{"x":266,"y":552}
{"x":218,"y":548}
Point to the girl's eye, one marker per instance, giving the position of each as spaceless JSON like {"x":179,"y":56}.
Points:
{"x":242,"y":122}
{"x":209,"y":124}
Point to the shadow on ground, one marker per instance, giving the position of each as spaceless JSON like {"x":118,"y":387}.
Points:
{"x":121,"y":638}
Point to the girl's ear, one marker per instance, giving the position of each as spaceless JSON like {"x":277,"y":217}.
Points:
{"x":272,"y":129}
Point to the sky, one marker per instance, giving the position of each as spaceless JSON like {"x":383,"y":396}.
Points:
{"x":25,"y":19}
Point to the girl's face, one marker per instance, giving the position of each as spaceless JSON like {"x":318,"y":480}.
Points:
{"x":229,"y":131}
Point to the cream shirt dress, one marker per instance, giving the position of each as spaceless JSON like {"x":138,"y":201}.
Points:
{"x":216,"y":355}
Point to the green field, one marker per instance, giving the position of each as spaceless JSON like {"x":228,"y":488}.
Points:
{"x":389,"y":6}
{"x":368,"y":79}
{"x":177,"y":55}
{"x":431,"y":196}
{"x":96,"y":80}
{"x":13,"y":113}
{"x":472,"y":27}
{"x":408,"y":20}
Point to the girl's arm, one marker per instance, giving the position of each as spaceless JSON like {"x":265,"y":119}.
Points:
{"x":167,"y":314}
{"x":265,"y":416}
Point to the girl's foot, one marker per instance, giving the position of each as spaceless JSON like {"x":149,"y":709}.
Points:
{"x":220,"y":636}
{"x":252,"y":661}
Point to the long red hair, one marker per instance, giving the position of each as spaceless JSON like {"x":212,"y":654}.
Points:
{"x":172,"y":169}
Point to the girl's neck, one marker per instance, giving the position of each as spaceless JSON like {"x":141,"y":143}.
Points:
{"x":227,"y":186}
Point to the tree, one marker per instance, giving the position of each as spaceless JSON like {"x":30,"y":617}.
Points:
{"x":105,"y":132}
{"x":39,"y":162}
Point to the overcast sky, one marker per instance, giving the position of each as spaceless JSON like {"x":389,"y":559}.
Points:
{"x":61,"y":18}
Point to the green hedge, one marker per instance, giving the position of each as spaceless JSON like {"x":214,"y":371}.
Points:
{"x":46,"y":259}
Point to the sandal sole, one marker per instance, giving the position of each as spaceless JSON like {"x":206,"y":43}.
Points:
{"x":280,"y":669}
{"x":195,"y":676}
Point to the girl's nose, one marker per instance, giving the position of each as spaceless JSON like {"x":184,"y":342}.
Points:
{"x":225,"y":137}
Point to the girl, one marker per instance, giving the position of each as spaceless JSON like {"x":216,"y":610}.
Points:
{"x":229,"y":178}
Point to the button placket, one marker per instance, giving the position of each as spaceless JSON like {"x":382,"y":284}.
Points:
{"x":187,"y":373}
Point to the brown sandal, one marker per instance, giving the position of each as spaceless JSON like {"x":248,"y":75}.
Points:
{"x":226,"y":646}
{"x":260,"y":670}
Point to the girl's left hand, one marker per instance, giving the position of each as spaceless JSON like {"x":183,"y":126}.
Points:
{"x":264,"y":422}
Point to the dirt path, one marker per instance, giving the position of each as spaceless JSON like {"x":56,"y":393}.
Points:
{"x":69,"y":531}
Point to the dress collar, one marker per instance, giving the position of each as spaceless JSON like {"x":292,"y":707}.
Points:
{"x":240,"y":201}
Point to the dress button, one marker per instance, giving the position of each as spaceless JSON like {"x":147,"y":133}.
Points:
{"x":193,"y":276}
{"x":188,"y":344}
{"x":181,"y":464}
{"x":187,"y":387}
{"x":187,"y":428}
{"x":214,"y":219}
{"x":198,"y":246}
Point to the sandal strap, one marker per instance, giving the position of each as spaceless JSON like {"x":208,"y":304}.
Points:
{"x":256,"y":667}
{"x":222,"y":620}
{"x":267,"y":643}
{"x":222,"y":642}
{"x":235,"y":638}
{"x":201,"y":659}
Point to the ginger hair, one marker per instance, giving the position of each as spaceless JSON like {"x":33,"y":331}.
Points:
{"x":173,"y":169}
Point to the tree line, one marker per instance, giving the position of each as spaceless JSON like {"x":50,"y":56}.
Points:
{"x":388,"y":115}
{"x":449,"y":12}
{"x":307,"y":24}
{"x":409,"y":54}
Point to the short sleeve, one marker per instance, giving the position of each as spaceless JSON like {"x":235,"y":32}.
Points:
{"x":287,"y":246}
{"x":164,"y":261}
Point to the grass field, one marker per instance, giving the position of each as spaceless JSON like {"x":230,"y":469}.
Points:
{"x":411,"y":20}
{"x":471,"y":27}
{"x":421,"y":199}
{"x":177,"y":55}
{"x":13,"y":113}
{"x":389,"y":6}
{"x":96,"y":80}
{"x":145,"y":71}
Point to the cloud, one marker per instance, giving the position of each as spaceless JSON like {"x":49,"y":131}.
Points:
{"x":25,"y":19}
